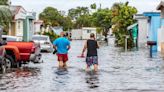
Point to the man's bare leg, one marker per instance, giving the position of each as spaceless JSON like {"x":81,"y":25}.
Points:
{"x":95,"y":67}
{"x":87,"y":68}
{"x":61,"y":64}
{"x":65,"y":65}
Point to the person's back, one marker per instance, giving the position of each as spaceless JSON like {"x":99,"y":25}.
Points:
{"x":92,"y":59}
{"x":62,"y":44}
{"x":92,"y":48}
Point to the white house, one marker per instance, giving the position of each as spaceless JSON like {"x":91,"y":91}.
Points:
{"x":76,"y":34}
{"x":142,"y":29}
{"x":19,"y":15}
{"x":57,"y":30}
{"x":83,"y":33}
{"x":38,"y":26}
{"x":86,"y":31}
{"x":22,"y":24}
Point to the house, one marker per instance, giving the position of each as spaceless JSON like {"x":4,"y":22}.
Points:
{"x":22,"y":24}
{"x":76,"y":34}
{"x":86,"y":31}
{"x":38,"y":24}
{"x":161,"y":31}
{"x":154,"y":22}
{"x":57,"y":30}
{"x":142,"y":22}
{"x":19,"y":15}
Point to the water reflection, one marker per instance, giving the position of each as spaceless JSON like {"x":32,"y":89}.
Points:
{"x":19,"y":78}
{"x":60,"y":80}
{"x":118,"y":72}
{"x":61,"y":71}
{"x":27,"y":72}
{"x":92,"y":79}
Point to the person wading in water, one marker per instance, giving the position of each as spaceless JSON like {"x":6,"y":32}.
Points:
{"x":92,"y":59}
{"x":62,"y":45}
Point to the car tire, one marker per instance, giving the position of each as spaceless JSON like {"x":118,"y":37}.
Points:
{"x":37,"y":59}
{"x":13,"y":63}
{"x":9,"y":59}
{"x":2,"y":68}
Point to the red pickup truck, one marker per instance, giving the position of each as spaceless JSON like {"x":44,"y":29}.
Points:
{"x":13,"y":53}
{"x":22,"y":52}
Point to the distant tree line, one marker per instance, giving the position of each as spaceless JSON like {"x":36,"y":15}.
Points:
{"x":119,"y":17}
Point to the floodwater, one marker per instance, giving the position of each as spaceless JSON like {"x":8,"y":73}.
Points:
{"x":118,"y":72}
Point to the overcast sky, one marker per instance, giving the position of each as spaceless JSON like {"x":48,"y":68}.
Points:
{"x":38,"y":5}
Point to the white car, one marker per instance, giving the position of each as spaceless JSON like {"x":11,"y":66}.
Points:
{"x":44,"y":41}
{"x":11,"y":38}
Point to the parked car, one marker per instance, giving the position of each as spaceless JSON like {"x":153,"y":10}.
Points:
{"x":14,"y":52}
{"x":44,"y":42}
{"x":11,"y":38}
{"x":23,"y":52}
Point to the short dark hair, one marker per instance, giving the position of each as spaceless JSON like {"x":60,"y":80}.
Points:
{"x":92,"y":35}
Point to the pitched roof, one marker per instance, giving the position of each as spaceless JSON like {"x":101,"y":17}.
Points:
{"x":131,"y":26}
{"x":15,"y":9}
{"x":161,"y":5}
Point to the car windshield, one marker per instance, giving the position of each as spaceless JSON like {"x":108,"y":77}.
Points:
{"x":39,"y":38}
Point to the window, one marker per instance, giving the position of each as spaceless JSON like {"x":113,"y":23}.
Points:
{"x":88,"y":31}
{"x":19,"y":24}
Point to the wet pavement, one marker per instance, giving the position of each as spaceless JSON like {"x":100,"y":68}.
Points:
{"x":118,"y":72}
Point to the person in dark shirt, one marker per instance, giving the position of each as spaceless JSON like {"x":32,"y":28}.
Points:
{"x":92,"y":59}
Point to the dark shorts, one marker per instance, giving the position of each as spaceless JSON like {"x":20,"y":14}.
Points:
{"x":92,"y":60}
{"x":62,"y":57}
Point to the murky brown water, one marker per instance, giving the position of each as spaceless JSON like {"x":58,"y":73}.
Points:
{"x":119,"y":72}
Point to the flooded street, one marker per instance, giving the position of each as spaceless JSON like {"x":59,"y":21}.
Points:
{"x":118,"y":72}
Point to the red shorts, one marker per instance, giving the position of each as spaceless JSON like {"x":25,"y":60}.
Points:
{"x":62,"y":57}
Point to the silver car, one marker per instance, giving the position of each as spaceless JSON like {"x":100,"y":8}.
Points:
{"x":44,"y":41}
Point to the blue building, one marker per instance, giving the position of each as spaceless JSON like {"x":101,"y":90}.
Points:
{"x":154,"y":23}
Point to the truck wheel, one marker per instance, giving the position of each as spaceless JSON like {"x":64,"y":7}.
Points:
{"x":2,"y":68}
{"x":37,"y":59}
{"x":8,"y":61}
